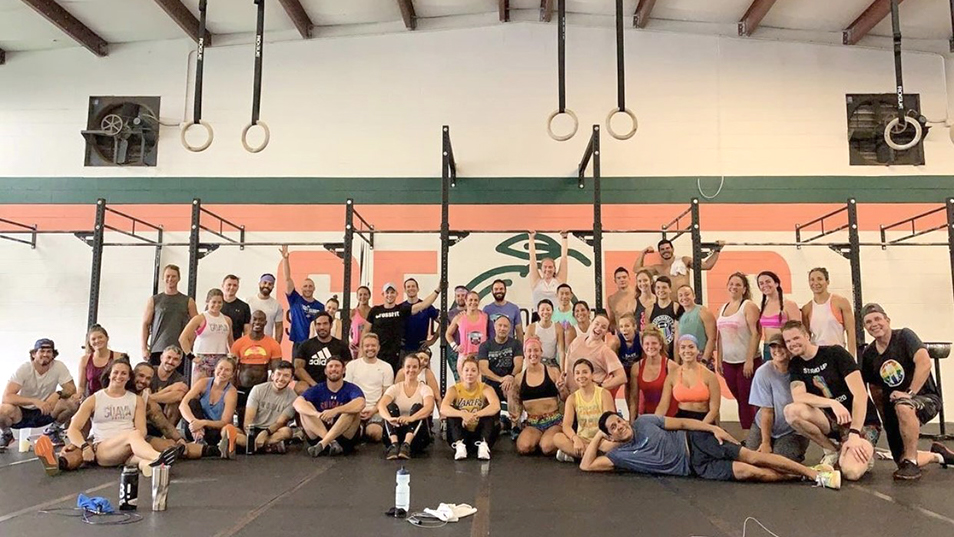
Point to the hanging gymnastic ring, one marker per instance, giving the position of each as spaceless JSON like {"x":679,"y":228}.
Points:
{"x":268,"y":135}
{"x":576,"y":125}
{"x":196,"y":148}
{"x":918,"y":132}
{"x":609,"y":124}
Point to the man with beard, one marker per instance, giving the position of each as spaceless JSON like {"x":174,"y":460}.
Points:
{"x":329,"y":412}
{"x":265,"y":302}
{"x":168,"y":385}
{"x":419,"y":330}
{"x":234,"y":308}
{"x":268,"y":411}
{"x":313,"y":354}
{"x":302,"y":307}
{"x":160,"y":432}
{"x":500,"y":307}
{"x":257,"y":354}
{"x":388,"y":322}
{"x":676,"y":268}
{"x":623,"y":301}
{"x":31,"y":399}
{"x":372,"y":376}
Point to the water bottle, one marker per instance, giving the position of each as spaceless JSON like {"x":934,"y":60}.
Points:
{"x":160,"y":487}
{"x":402,"y":492}
{"x":129,"y":488}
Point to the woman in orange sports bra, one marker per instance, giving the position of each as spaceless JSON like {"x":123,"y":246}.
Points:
{"x":694,"y":388}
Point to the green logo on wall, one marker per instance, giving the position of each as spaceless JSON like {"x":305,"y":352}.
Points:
{"x":518,"y":246}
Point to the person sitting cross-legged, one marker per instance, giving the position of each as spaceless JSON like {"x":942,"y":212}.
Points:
{"x":330,"y":412}
{"x":406,"y":407}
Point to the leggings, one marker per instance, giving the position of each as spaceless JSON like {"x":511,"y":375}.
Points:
{"x":212,"y":435}
{"x":740,"y":387}
{"x":487,"y":430}
{"x":422,"y":434}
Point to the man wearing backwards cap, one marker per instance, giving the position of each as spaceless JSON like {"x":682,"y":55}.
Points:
{"x":897,"y":368}
{"x":686,"y":447}
{"x":266,"y":303}
{"x":388,"y":322}
{"x":771,"y":391}
{"x":31,"y":399}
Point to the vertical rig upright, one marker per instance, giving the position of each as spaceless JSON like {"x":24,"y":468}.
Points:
{"x":597,"y":220}
{"x":696,"y":233}
{"x":346,"y":258}
{"x":194,"y":247}
{"x":96,"y":271}
{"x":854,"y":258}
{"x":448,"y":174}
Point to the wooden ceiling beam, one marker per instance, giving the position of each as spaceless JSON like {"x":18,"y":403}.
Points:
{"x":184,"y":18}
{"x":753,"y":16}
{"x":875,"y":13}
{"x":546,"y":10}
{"x":643,"y":10}
{"x":503,"y":8}
{"x":70,"y":25}
{"x":407,"y":13}
{"x":299,"y":17}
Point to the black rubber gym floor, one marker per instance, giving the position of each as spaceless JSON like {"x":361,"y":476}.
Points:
{"x":293,"y":494}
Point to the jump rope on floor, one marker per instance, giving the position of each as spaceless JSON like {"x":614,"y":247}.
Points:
{"x":94,"y":518}
{"x":745,"y":527}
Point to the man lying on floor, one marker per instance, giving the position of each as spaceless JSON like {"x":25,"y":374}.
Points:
{"x":686,"y":447}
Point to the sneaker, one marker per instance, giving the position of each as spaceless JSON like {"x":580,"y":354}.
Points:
{"x":823,"y":468}
{"x":829,"y":480}
{"x":944,"y":452}
{"x":483,"y":451}
{"x":460,"y":451}
{"x":907,"y":471}
{"x":405,"y":452}
{"x":298,"y":436}
{"x":563,"y":457}
{"x":317,"y":450}
{"x":334,"y":448}
{"x":277,"y":447}
{"x":391,"y":452}
{"x":55,"y":433}
{"x":47,"y":455}
{"x":6,"y":438}
{"x":227,"y":443}
{"x":830,"y":458}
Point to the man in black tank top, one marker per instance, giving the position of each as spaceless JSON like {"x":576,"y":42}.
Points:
{"x":665,"y":312}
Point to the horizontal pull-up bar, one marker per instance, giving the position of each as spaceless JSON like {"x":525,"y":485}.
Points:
{"x":133,"y":219}
{"x":31,"y":229}
{"x":914,"y":231}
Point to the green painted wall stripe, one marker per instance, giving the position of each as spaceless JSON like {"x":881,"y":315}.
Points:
{"x":480,"y":190}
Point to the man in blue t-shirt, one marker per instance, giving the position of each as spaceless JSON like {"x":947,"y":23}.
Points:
{"x":419,"y":330}
{"x":329,"y":412}
{"x":302,"y":308}
{"x":685,"y":447}
{"x":500,"y":307}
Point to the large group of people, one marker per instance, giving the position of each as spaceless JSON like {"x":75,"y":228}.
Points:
{"x":553,"y":385}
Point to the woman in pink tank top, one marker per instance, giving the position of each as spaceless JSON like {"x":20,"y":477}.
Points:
{"x":359,"y":316}
{"x":775,"y":310}
{"x":472,"y":326}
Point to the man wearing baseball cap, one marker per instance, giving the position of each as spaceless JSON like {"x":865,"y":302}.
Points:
{"x":389,"y":321}
{"x":897,"y":368}
{"x":267,"y":304}
{"x":771,"y":392}
{"x":31,"y":398}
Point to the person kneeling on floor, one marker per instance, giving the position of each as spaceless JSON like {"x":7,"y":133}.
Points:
{"x":209,"y":406}
{"x":268,"y":411}
{"x":897,"y":368}
{"x":686,"y":447}
{"x":118,"y":428}
{"x":406,"y":407}
{"x":329,"y":412}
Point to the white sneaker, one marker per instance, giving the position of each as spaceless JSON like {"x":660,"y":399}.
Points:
{"x":563,"y":457}
{"x":460,"y":451}
{"x":483,"y":451}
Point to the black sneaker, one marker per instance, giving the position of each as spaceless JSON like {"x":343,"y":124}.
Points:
{"x":6,"y":438}
{"x":405,"y":452}
{"x":317,"y":450}
{"x":55,"y":433}
{"x":391,"y":452}
{"x":334,"y":448}
{"x":907,"y":471}
{"x":945,"y":452}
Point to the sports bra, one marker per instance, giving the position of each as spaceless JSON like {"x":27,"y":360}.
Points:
{"x":544,"y":390}
{"x":772,"y":321}
{"x":652,"y":389}
{"x":698,"y":393}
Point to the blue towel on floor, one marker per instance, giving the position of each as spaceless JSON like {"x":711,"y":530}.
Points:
{"x":96,"y":504}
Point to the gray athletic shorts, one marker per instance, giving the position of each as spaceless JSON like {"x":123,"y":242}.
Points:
{"x":709,"y":459}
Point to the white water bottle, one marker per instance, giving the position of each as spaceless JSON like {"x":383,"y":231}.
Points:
{"x":402,"y":492}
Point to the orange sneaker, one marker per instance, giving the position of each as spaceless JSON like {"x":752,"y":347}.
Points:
{"x":227,"y":444}
{"x":46,"y":454}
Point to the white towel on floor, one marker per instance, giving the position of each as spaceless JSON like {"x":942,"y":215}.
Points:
{"x":451,"y":512}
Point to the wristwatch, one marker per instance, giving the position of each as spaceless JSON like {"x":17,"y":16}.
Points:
{"x":856,"y":431}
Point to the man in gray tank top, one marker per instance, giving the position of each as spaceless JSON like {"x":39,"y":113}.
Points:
{"x":167,"y":313}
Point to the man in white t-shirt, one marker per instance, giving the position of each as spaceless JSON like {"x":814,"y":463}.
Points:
{"x":373,"y":376}
{"x":265,"y":302}
{"x":31,"y":399}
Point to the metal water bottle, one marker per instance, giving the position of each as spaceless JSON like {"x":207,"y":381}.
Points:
{"x":250,"y":434}
{"x":160,"y":487}
{"x":129,"y":488}
{"x":402,"y":492}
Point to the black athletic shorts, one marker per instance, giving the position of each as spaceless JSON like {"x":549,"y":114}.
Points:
{"x":32,"y":419}
{"x":709,"y":459}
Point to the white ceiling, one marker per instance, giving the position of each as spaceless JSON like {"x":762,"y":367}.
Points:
{"x":122,"y":21}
